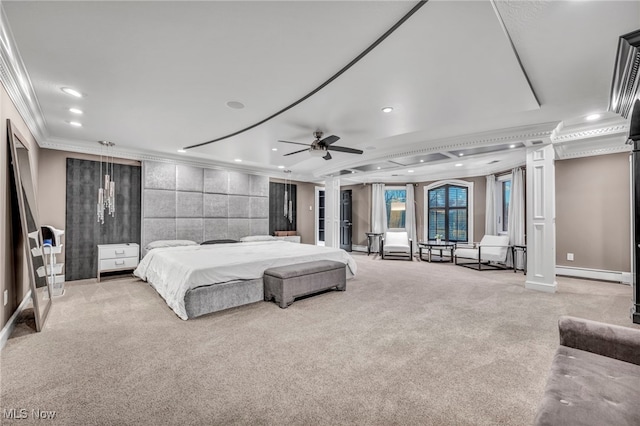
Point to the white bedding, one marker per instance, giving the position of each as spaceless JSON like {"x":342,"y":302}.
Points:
{"x":174,"y":270}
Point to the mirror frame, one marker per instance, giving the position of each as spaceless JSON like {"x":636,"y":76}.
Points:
{"x":40,"y":312}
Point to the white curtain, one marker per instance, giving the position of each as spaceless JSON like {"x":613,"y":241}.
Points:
{"x":490,"y":206}
{"x":378,"y":211}
{"x":516,"y":214}
{"x":410,"y":217}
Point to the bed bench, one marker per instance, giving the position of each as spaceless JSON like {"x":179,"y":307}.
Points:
{"x":594,"y":376}
{"x":284,"y":283}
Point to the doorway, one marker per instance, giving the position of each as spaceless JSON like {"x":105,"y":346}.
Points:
{"x":346,"y":224}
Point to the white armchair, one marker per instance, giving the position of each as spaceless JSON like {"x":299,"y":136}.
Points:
{"x":491,"y":252}
{"x":396,"y":244}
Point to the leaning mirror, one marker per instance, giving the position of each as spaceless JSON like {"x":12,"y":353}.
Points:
{"x":30,"y":236}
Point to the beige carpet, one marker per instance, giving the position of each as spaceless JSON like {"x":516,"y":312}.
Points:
{"x":407,"y":343}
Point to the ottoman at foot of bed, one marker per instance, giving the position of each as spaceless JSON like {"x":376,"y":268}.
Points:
{"x":283,"y":284}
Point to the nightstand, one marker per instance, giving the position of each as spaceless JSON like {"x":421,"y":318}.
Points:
{"x":117,"y":257}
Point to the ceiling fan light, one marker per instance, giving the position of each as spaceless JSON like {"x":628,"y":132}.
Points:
{"x":318,"y":152}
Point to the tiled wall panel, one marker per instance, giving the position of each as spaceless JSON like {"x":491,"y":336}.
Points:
{"x":192,"y":203}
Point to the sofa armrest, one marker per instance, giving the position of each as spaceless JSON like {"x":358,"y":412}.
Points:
{"x":608,"y":340}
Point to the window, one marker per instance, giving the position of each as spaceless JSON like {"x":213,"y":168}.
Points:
{"x":396,"y":201}
{"x":449,"y":211}
{"x":503,"y":192}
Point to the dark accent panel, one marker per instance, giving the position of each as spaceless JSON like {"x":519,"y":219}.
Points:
{"x":277,"y":220}
{"x":83,"y":232}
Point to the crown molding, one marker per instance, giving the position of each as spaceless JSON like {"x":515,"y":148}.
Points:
{"x":94,"y":148}
{"x":522,"y":134}
{"x":17,"y":83}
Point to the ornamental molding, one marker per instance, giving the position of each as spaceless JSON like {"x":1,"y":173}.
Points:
{"x":17,"y":83}
{"x":90,"y":149}
{"x":528,"y":135}
{"x":559,"y":137}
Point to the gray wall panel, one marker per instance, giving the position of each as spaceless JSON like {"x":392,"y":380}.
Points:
{"x":216,"y":205}
{"x":259,"y":207}
{"x":159,"y":203}
{"x":259,"y":226}
{"x":259,"y":186}
{"x":216,"y":229}
{"x":239,"y":228}
{"x":238,"y":183}
{"x":238,"y":206}
{"x":202,"y":204}
{"x":189,"y":204}
{"x":159,"y":175}
{"x":190,"y":229}
{"x":216,"y":181}
{"x":189,"y":178}
{"x":158,"y":229}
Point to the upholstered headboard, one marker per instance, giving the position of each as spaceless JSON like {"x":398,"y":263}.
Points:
{"x":194,"y":203}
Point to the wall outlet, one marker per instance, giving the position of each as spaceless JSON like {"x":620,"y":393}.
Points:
{"x":570,"y":256}
{"x":6,"y":297}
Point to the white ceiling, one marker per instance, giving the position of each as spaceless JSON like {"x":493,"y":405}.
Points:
{"x":157,"y":77}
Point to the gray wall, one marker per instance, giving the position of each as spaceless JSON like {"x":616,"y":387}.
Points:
{"x":193,"y":203}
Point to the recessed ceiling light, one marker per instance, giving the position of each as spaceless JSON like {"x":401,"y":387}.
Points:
{"x":461,"y":154}
{"x":422,"y":161}
{"x":512,"y":146}
{"x":409,"y":171}
{"x":75,"y":124}
{"x":459,"y":165}
{"x":378,"y":168}
{"x":75,"y":110}
{"x":352,"y":171}
{"x":274,"y":149}
{"x":387,"y":109}
{"x":72,"y":92}
{"x":238,"y":160}
{"x":235,"y":104}
{"x":182,"y":151}
{"x":281,"y":167}
{"x":592,"y":117}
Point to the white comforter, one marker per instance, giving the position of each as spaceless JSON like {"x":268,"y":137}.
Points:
{"x":174,"y":270}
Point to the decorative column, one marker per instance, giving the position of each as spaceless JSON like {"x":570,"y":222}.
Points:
{"x":332,"y":212}
{"x":541,"y":219}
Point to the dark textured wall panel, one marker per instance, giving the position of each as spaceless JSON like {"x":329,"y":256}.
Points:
{"x":83,"y":232}
{"x":277,"y":220}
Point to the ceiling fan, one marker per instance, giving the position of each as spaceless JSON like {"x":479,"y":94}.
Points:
{"x":321,"y":147}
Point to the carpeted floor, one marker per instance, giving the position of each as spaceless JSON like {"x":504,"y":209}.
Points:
{"x":408,"y":343}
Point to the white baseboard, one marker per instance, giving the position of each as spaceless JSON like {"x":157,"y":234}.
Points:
{"x":11,"y":324}
{"x":545,"y":287}
{"x":594,"y":274}
{"x":359,"y":248}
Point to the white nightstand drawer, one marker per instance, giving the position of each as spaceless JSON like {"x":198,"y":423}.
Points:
{"x":115,"y":264}
{"x":118,"y":252}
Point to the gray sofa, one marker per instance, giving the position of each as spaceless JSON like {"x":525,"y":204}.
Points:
{"x":595,"y":376}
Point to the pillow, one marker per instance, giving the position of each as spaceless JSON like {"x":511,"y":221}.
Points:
{"x":251,"y":238}
{"x":169,"y":243}
{"x":218,"y":242}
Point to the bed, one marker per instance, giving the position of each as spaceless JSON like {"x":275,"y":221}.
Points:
{"x":198,"y":279}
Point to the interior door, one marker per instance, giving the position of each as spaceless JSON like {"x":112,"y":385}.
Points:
{"x":345,"y":220}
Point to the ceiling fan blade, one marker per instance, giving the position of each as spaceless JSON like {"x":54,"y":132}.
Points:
{"x":296,"y":152}
{"x":344,"y":149}
{"x":328,"y":156}
{"x":329,"y":140}
{"x":296,"y":143}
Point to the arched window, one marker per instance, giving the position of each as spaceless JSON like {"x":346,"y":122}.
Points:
{"x":449,"y":211}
